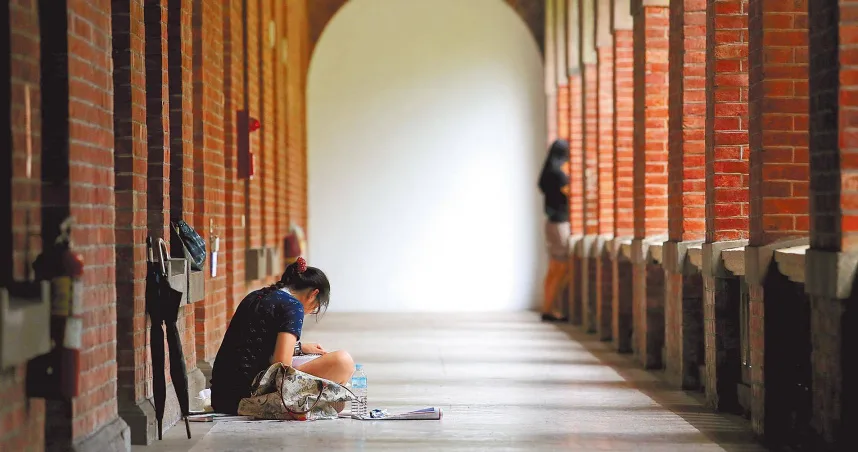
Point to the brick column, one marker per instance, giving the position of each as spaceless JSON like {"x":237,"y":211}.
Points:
{"x":209,"y":172}
{"x":726,"y":192}
{"x":78,"y":164}
{"x":561,"y":79}
{"x":779,"y":180}
{"x":832,"y":258}
{"x":589,"y":106}
{"x":603,"y":279}
{"x":235,"y":243}
{"x":130,"y":166}
{"x":686,"y":192}
{"x":550,"y":44}
{"x":182,"y":196}
{"x":623,"y":137}
{"x":576,"y":162}
{"x":651,"y":28}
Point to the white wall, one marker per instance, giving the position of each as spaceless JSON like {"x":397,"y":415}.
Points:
{"x":426,"y":136}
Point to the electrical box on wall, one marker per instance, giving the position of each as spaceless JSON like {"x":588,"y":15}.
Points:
{"x":246,"y":125}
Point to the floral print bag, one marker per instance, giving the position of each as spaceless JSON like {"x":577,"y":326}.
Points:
{"x":284,"y":393}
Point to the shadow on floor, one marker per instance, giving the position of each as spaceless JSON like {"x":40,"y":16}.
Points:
{"x":731,"y":432}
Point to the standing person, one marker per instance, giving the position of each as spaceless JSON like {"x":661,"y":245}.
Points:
{"x":554,"y":185}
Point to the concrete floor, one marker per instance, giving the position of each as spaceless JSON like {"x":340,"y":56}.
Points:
{"x":505,"y":382}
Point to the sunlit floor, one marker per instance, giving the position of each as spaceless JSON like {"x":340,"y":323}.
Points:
{"x":505,"y":382}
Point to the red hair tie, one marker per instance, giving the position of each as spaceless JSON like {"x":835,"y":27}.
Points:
{"x":302,"y":264}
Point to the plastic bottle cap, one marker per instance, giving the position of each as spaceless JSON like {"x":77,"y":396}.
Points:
{"x":358,"y":366}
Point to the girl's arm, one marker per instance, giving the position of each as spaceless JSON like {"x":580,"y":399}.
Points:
{"x":285,"y":348}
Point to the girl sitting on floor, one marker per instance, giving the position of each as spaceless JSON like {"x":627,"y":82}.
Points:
{"x":266,"y":328}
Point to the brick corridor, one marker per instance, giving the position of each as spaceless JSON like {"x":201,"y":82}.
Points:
{"x":566,"y":391}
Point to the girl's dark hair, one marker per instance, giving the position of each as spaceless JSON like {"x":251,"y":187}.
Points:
{"x":311,"y":278}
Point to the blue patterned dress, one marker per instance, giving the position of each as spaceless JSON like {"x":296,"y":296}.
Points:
{"x":249,"y":342}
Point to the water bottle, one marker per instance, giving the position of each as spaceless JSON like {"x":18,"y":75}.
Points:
{"x":359,"y":408}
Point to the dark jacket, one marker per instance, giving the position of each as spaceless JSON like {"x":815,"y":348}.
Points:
{"x":552,"y":180}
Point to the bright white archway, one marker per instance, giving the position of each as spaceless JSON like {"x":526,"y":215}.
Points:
{"x":426,"y":136}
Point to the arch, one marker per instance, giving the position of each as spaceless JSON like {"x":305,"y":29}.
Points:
{"x":425,"y":126}
{"x":321,"y":12}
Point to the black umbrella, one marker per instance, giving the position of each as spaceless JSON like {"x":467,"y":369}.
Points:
{"x":162,"y":305}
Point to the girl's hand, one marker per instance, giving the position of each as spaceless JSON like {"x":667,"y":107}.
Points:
{"x":311,"y":348}
{"x":565,"y":190}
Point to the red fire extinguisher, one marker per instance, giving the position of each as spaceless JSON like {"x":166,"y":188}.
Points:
{"x":55,"y":375}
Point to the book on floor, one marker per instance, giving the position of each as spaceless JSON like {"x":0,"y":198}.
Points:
{"x":424,"y":414}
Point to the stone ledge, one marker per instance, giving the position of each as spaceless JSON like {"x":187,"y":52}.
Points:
{"x":596,"y":246}
{"x":758,"y":259}
{"x":620,"y":248}
{"x":113,"y":437}
{"x":695,"y":256}
{"x":574,"y":245}
{"x":791,"y":262}
{"x":656,"y":252}
{"x":830,"y":274}
{"x":641,"y":248}
{"x":676,"y":256}
{"x":734,"y":260}
{"x":585,"y":245}
{"x":713,"y":264}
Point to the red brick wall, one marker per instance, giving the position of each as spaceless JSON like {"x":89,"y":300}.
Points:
{"x":209,"y":171}
{"x":296,"y":26}
{"x":234,"y":190}
{"x":825,"y":112}
{"x":131,"y":166}
{"x":563,"y":112}
{"x":623,"y":132}
{"x":605,"y":133}
{"x":161,"y":145}
{"x":727,"y":120}
{"x":687,"y":112}
{"x":180,"y":67}
{"x":91,"y":202}
{"x":779,"y":157}
{"x":21,"y":420}
{"x":576,"y":151}
{"x":778,"y":121}
{"x":651,"y":28}
{"x":590,"y":118}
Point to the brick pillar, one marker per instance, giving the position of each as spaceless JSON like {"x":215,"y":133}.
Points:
{"x":561,"y":79}
{"x":686,"y":192}
{"x":182,"y":196}
{"x":590,"y":119}
{"x":831,"y":260}
{"x":726,"y":192}
{"x":22,"y":417}
{"x":623,"y":138}
{"x":576,"y":161}
{"x":603,"y":280}
{"x":130,"y":166}
{"x":779,"y":182}
{"x":78,"y":164}
{"x":651,"y":28}
{"x":298,"y":60}
{"x":209,"y":172}
{"x":550,"y":44}
{"x":235,"y":244}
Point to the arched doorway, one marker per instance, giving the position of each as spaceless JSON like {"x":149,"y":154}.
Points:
{"x":425,"y":138}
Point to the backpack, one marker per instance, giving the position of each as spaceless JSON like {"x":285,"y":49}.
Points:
{"x":194,"y":246}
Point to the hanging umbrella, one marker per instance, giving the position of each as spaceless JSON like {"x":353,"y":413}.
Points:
{"x":162,"y":305}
